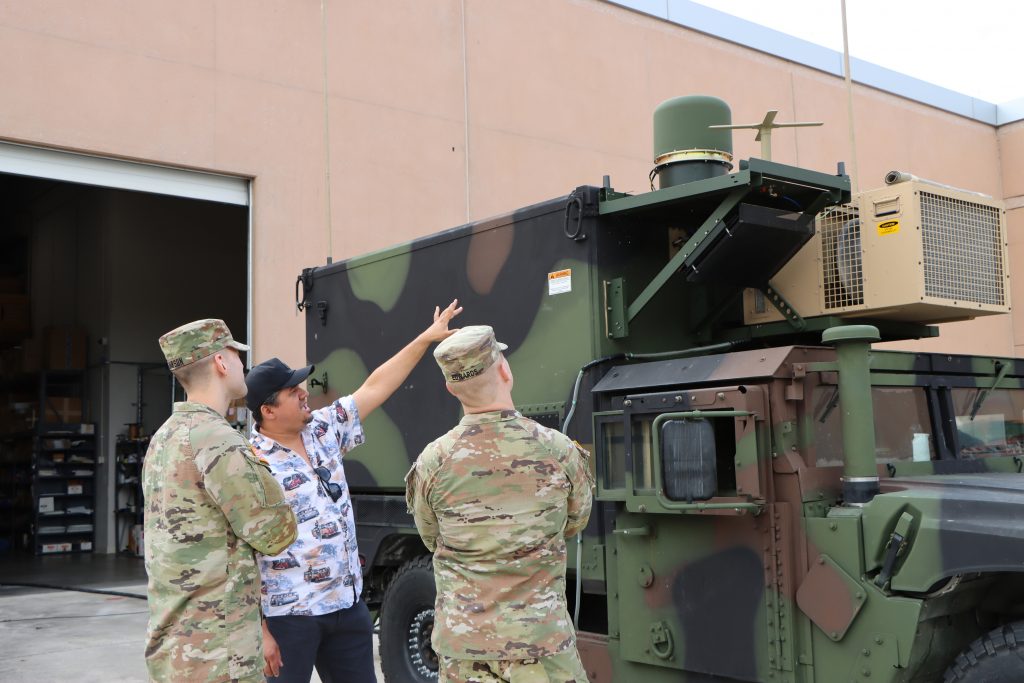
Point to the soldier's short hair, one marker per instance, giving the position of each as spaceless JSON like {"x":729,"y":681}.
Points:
{"x":195,"y":374}
{"x":479,"y":390}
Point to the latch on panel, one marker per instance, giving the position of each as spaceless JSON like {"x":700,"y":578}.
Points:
{"x":895,"y":548}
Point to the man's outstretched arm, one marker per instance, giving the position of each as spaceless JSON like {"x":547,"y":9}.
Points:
{"x":383,"y":381}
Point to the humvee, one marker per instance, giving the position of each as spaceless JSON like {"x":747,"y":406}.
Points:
{"x":777,"y":499}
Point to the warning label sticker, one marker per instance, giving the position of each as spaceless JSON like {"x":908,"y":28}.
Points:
{"x":559,"y":282}
{"x":888,"y":227}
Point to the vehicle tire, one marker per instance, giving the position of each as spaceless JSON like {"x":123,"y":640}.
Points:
{"x":406,"y":623}
{"x":996,"y":657}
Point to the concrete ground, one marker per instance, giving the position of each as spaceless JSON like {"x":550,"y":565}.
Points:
{"x":66,"y":636}
{"x":59,"y":635}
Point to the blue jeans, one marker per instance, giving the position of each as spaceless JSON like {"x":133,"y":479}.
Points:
{"x":339,"y":644}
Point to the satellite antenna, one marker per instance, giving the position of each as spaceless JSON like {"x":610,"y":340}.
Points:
{"x":765,"y":128}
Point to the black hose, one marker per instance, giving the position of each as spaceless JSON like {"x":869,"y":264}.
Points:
{"x":78,"y":589}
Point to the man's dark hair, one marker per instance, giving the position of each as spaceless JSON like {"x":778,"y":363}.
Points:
{"x":270,"y":401}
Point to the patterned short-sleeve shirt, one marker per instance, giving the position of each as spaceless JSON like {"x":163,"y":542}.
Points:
{"x":320,"y":573}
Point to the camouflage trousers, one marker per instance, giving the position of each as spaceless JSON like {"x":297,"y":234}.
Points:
{"x":561,"y":668}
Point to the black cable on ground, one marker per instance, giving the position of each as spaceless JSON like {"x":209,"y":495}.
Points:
{"x":73,"y":616}
{"x":78,"y":589}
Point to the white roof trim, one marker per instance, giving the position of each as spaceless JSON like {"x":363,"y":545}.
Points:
{"x":749,"y":34}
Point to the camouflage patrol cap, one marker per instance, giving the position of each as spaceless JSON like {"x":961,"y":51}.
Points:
{"x":468,"y":352}
{"x":196,"y":340}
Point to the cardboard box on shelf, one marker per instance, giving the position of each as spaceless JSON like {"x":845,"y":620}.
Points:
{"x":63,"y":410}
{"x":56,"y":548}
{"x":15,"y":317}
{"x":65,"y":348}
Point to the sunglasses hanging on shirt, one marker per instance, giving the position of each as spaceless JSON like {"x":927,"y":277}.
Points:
{"x":330,"y":488}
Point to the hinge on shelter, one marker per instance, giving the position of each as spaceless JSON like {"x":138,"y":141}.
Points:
{"x":616,"y":317}
{"x":779,"y":610}
{"x":321,"y":309}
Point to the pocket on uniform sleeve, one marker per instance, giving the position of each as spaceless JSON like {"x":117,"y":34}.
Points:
{"x":267,"y":488}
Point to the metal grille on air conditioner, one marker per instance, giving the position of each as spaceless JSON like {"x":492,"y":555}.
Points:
{"x":963,"y":250}
{"x":841,"y":257}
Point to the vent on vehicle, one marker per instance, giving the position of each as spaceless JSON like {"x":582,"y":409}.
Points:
{"x":963,"y":250}
{"x":841,"y":257}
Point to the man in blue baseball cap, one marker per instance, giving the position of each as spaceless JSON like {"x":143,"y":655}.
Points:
{"x":313,"y":614}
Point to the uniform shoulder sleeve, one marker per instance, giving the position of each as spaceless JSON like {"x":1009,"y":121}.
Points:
{"x":243,"y":488}
{"x":576,"y":461}
{"x":418,"y":485}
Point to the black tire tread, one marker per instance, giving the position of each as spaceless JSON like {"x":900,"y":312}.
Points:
{"x":419,"y":563}
{"x":1000,"y":642}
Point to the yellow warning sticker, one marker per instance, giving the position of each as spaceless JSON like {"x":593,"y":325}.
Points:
{"x":559,"y":282}
{"x":888,"y":227}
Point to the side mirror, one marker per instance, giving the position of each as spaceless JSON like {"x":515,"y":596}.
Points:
{"x":689,"y":460}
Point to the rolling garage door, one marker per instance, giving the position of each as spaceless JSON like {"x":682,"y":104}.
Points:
{"x":124,"y":175}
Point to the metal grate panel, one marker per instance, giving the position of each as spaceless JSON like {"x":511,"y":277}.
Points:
{"x":841,"y":257}
{"x":963,"y":250}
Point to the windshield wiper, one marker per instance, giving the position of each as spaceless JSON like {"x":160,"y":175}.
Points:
{"x":833,"y":401}
{"x":983,"y":394}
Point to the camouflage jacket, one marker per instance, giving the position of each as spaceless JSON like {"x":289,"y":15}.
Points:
{"x":495,"y":499}
{"x":208,"y":504}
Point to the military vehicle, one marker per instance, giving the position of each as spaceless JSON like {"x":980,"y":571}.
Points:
{"x":777,"y":500}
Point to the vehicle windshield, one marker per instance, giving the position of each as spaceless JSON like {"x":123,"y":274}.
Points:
{"x":989,"y":422}
{"x":902,"y":426}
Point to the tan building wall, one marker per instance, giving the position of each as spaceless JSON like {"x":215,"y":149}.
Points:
{"x":439,"y":112}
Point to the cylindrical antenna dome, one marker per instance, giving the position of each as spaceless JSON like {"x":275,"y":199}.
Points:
{"x":685,"y":149}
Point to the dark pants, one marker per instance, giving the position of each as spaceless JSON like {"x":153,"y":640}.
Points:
{"x":339,"y":644}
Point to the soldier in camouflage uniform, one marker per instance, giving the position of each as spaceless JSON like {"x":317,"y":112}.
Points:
{"x":494,"y":499}
{"x":209,"y":503}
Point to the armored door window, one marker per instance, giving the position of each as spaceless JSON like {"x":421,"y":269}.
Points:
{"x":707,"y":454}
{"x":611,"y":453}
{"x":643,"y":454}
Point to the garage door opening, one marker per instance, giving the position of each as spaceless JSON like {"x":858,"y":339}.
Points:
{"x":90,"y":277}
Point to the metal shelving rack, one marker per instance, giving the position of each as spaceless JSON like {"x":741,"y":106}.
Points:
{"x":63,"y":470}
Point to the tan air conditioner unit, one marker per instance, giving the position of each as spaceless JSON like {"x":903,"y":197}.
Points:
{"x":912,"y":251}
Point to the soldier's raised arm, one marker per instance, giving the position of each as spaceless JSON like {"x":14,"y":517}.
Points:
{"x":581,"y":498}
{"x":249,"y":496}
